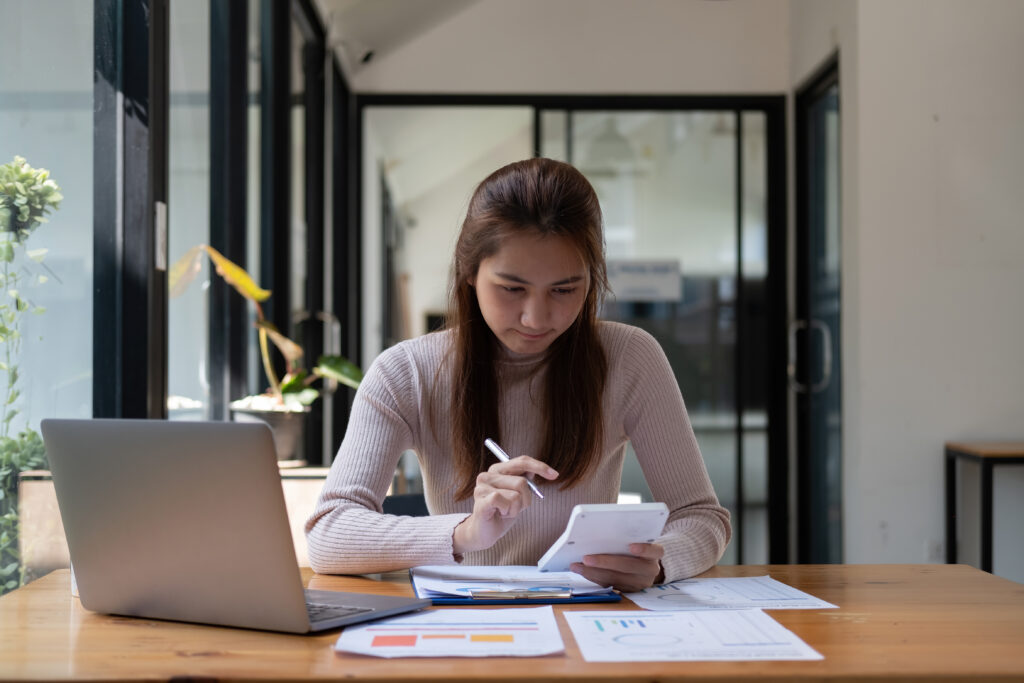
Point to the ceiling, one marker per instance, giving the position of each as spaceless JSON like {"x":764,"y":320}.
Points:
{"x":362,"y":30}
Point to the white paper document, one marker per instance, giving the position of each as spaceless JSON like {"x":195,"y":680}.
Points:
{"x":745,"y":592}
{"x":721,"y":635}
{"x":460,"y":580}
{"x":512,"y":632}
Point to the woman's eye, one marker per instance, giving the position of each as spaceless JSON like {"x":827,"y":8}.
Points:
{"x":511,"y":289}
{"x":565,"y":290}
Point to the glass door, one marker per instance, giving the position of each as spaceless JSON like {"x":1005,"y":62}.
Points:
{"x":815,"y":334}
{"x":684,"y":195}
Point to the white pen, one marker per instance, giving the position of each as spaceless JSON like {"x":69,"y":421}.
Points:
{"x":503,"y":456}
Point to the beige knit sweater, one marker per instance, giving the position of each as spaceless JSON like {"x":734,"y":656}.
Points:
{"x":348,"y":534}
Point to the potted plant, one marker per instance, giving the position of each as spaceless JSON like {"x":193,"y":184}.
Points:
{"x":284,"y":405}
{"x":27,"y":195}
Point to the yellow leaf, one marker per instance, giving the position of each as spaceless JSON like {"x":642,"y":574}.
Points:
{"x":289,"y":349}
{"x":183,"y":272}
{"x":236,"y":276}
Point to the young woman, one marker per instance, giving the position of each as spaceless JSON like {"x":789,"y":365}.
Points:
{"x":523,"y":360}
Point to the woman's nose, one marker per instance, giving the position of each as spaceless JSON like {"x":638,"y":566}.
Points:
{"x":535,"y":313}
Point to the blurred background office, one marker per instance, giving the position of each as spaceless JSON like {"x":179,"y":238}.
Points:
{"x":814,"y":205}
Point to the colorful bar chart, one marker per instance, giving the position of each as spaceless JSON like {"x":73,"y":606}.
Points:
{"x":457,"y":633}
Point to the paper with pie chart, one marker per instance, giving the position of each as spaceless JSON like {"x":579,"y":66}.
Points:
{"x":744,"y":592}
{"x":717,"y":635}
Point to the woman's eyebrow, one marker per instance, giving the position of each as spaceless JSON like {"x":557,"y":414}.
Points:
{"x":523,"y":281}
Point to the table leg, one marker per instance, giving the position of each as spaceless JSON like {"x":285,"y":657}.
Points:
{"x":986,"y":516}
{"x":950,"y":507}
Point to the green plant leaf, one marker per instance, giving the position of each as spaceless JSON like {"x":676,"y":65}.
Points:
{"x":307,"y":396}
{"x":36,"y":254}
{"x":294,"y":382}
{"x":339,"y":369}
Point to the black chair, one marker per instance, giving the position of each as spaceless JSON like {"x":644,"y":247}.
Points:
{"x":410,"y":504}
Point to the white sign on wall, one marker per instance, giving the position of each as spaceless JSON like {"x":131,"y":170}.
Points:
{"x":645,"y":280}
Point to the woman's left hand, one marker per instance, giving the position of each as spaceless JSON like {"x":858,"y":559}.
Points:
{"x":627,"y":573}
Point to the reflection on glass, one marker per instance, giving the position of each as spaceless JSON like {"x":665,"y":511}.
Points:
{"x":754,"y":259}
{"x":298,"y":226}
{"x":430,"y":157}
{"x":252,"y":233}
{"x":825,"y":386}
{"x":667,"y":185}
{"x":188,"y":209}
{"x":46,"y":118}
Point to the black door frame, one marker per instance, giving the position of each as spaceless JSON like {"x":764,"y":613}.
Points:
{"x":825,"y":77}
{"x":774,"y":108}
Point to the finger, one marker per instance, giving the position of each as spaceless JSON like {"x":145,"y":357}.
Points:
{"x":507,"y":482}
{"x":503,"y":502}
{"x":627,"y":583}
{"x":524,"y":464}
{"x":623,"y":564}
{"x":650,"y":551}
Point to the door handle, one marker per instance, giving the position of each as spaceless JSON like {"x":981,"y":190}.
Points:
{"x":794,"y":384}
{"x":826,"y":356}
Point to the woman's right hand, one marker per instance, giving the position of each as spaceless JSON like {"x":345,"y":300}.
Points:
{"x":500,"y":495}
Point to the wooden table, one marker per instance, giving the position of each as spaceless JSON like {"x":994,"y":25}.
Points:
{"x":894,"y":622}
{"x":988,"y":455}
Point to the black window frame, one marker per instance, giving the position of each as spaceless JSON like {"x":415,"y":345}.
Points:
{"x":774,"y":109}
{"x":130,"y":97}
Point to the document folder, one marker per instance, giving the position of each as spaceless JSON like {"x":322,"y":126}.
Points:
{"x":513,"y":585}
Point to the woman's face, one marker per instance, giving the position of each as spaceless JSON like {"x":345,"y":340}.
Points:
{"x":531,"y":290}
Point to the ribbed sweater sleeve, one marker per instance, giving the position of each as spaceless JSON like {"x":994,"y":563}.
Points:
{"x":658,"y":426}
{"x":348,"y":533}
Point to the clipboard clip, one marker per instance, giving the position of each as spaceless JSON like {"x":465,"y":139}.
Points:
{"x":522,"y":594}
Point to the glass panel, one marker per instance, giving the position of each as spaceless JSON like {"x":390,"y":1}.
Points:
{"x":297,"y":270}
{"x":46,"y":268}
{"x":825,"y":397}
{"x":298,"y":173}
{"x":188,"y":210}
{"x":667,"y":185}
{"x":430,"y":158}
{"x":252,"y":236}
{"x":754,"y":325}
{"x":554,"y":129}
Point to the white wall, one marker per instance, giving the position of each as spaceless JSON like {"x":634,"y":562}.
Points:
{"x":933,"y":163}
{"x":592,"y":46}
{"x":573,"y":46}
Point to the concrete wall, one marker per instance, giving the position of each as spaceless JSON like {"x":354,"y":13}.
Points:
{"x":932,"y":166}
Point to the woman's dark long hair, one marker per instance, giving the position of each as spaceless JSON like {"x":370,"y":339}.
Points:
{"x":546,"y":198}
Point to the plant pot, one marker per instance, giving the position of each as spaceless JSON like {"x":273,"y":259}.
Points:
{"x":287,"y":427}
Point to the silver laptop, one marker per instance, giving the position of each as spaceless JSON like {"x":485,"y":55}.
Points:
{"x":187,"y":521}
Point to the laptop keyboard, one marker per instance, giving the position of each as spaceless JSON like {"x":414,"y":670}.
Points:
{"x":319,"y":611}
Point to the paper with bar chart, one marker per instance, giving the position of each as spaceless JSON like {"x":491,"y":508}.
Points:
{"x":513,"y":632}
{"x":744,"y":592}
{"x":726,"y":635}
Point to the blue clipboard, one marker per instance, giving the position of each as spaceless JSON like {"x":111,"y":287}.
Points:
{"x":457,"y":585}
{"x":536,"y":599}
